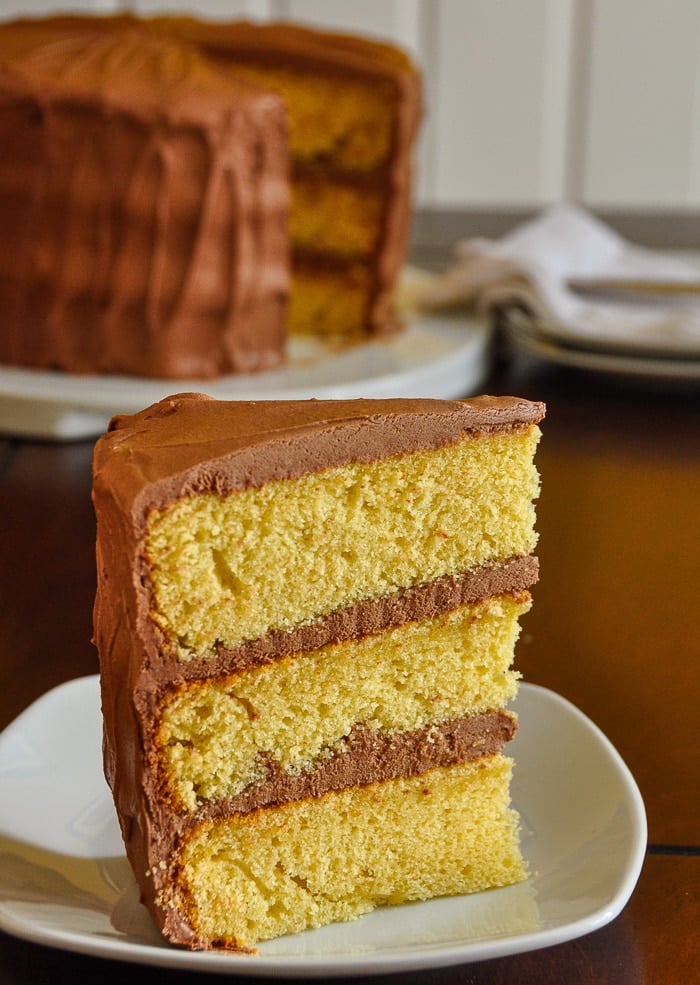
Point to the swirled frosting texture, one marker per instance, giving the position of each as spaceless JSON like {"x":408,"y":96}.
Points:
{"x":148,"y":199}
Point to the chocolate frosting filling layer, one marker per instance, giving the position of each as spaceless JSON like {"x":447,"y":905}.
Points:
{"x":368,"y":757}
{"x":371,"y":757}
{"x":366,"y":618}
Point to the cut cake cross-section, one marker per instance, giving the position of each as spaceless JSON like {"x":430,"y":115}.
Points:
{"x":306,"y":616}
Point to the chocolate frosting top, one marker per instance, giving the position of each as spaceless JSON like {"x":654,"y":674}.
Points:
{"x":334,"y":49}
{"x":136,"y":71}
{"x":189,"y":442}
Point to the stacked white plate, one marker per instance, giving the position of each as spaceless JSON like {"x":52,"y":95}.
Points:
{"x":665,"y":346}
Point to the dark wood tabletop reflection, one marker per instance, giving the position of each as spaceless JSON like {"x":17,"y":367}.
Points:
{"x":615,"y":628}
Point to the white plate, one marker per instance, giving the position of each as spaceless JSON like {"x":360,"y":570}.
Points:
{"x":435,"y":356}
{"x":64,"y":880}
{"x":620,"y":364}
{"x":667,"y":314}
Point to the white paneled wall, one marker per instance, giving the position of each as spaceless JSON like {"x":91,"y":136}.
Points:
{"x":528,"y":101}
{"x":642,"y":118}
{"x":497,"y":74}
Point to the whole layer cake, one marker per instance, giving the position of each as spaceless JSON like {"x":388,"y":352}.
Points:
{"x":354,"y":106}
{"x":176,"y":196}
{"x":306,"y":616}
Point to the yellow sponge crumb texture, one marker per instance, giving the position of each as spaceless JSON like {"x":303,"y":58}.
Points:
{"x":345,"y":122}
{"x":306,"y":864}
{"x":329,"y":303}
{"x":327,"y":217}
{"x":231,"y":568}
{"x":215,"y":736}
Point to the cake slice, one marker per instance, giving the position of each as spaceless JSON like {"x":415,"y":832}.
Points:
{"x":306,"y":614}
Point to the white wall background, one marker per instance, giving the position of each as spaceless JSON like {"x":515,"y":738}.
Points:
{"x":528,"y":101}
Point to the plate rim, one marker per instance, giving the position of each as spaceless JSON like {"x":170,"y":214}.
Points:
{"x":339,"y":964}
{"x":58,"y":405}
{"x":549,"y":349}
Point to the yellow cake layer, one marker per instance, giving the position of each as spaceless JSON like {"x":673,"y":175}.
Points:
{"x":329,"y":302}
{"x":340,"y":121}
{"x":232,"y":568}
{"x":216,"y":736}
{"x":306,"y":864}
{"x":331,"y":217}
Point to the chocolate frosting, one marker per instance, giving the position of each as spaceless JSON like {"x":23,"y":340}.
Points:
{"x":370,"y":756}
{"x":146,"y":194}
{"x":190,"y":443}
{"x":356,"y":621}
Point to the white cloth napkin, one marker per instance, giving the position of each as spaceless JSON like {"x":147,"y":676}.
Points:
{"x":535,"y":264}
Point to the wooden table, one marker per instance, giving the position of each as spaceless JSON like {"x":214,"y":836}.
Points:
{"x":614,"y":628}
